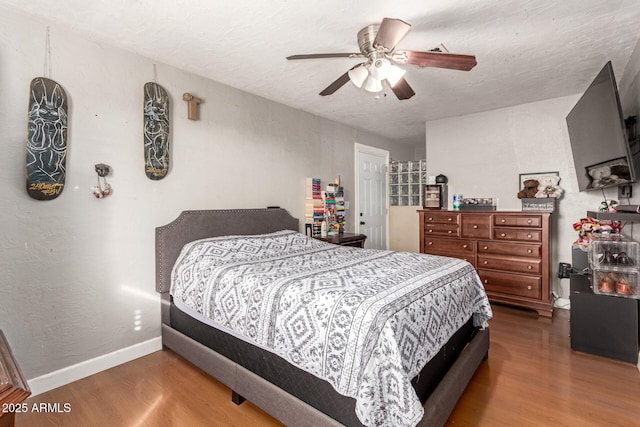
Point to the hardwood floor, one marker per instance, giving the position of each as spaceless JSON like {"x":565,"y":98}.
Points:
{"x":532,"y":378}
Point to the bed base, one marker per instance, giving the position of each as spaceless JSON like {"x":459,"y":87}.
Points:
{"x":291,"y":411}
{"x":281,"y":405}
{"x":273,"y":400}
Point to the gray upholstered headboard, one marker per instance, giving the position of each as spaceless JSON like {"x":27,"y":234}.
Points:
{"x":194,"y":225}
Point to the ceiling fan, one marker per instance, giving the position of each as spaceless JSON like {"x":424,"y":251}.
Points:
{"x":378,"y":45}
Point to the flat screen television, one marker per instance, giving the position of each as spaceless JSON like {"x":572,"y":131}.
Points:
{"x":601,"y":151}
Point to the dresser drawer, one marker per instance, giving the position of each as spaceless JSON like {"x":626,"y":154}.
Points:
{"x":510,"y":249}
{"x":517,"y":234}
{"x":517,"y":220}
{"x":476,"y":226}
{"x":461,"y":246}
{"x":441,"y":230}
{"x":516,"y":265}
{"x":470,"y":258}
{"x":510,"y":284}
{"x":441,"y":218}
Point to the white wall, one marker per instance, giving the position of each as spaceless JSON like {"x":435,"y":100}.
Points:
{"x":404,"y":228}
{"x":492,"y":148}
{"x":77,"y":273}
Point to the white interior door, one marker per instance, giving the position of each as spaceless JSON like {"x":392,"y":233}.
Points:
{"x":372,"y":213}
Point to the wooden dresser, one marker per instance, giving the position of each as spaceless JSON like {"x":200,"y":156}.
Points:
{"x":509,"y":249}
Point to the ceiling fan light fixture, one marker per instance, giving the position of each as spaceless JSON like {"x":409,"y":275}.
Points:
{"x":358,"y":75}
{"x":395,"y":74}
{"x":373,"y":85}
{"x":383,"y":66}
{"x":380,"y":68}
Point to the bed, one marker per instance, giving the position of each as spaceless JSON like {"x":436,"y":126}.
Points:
{"x":283,"y":383}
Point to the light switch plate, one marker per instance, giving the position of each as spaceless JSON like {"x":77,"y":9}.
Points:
{"x":624,"y":192}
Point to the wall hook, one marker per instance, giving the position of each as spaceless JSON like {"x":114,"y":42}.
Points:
{"x":192,"y":105}
{"x":103,"y":188}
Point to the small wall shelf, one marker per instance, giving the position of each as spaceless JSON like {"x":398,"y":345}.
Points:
{"x":615,"y":216}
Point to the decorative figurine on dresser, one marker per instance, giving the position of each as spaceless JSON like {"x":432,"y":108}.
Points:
{"x":509,"y":249}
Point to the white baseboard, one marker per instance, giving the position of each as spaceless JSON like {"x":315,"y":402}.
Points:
{"x":84,"y":369}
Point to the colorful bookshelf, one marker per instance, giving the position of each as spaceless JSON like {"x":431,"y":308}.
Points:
{"x":314,"y":207}
{"x":334,"y":208}
{"x":324,"y":206}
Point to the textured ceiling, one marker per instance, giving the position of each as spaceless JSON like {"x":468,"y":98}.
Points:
{"x":526,"y":50}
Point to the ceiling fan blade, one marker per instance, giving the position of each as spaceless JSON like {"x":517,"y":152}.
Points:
{"x":435,"y":59}
{"x":390,"y":32}
{"x":402,"y":89}
{"x":341,"y":81}
{"x":325,"y":55}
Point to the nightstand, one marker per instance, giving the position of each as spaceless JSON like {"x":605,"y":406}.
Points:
{"x":345,"y":239}
{"x":13,"y":386}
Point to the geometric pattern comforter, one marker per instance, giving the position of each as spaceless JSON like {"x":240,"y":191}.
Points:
{"x":366,"y":321}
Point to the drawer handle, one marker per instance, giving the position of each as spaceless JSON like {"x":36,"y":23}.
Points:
{"x":529,"y":287}
{"x":486,"y":282}
{"x":465,"y":246}
{"x":449,"y":219}
{"x":529,"y":236}
{"x":530,"y":267}
{"x":430,"y":218}
{"x":529,"y":251}
{"x":430,"y":231}
{"x":475,"y":226}
{"x":485,"y":247}
{"x":430,"y":243}
{"x":503,"y":234}
{"x":529,"y":221}
{"x":503,"y":220}
{"x":486,"y":262}
{"x":450,"y":231}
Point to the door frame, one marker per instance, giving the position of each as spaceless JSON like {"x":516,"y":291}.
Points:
{"x":358,"y":149}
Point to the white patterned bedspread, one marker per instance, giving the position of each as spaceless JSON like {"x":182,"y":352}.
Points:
{"x":366,"y":321}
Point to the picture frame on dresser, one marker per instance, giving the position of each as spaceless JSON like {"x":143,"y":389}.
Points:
{"x":432,"y":196}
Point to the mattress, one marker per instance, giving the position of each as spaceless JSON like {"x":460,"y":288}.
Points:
{"x":305,"y":386}
{"x":365,"y":321}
